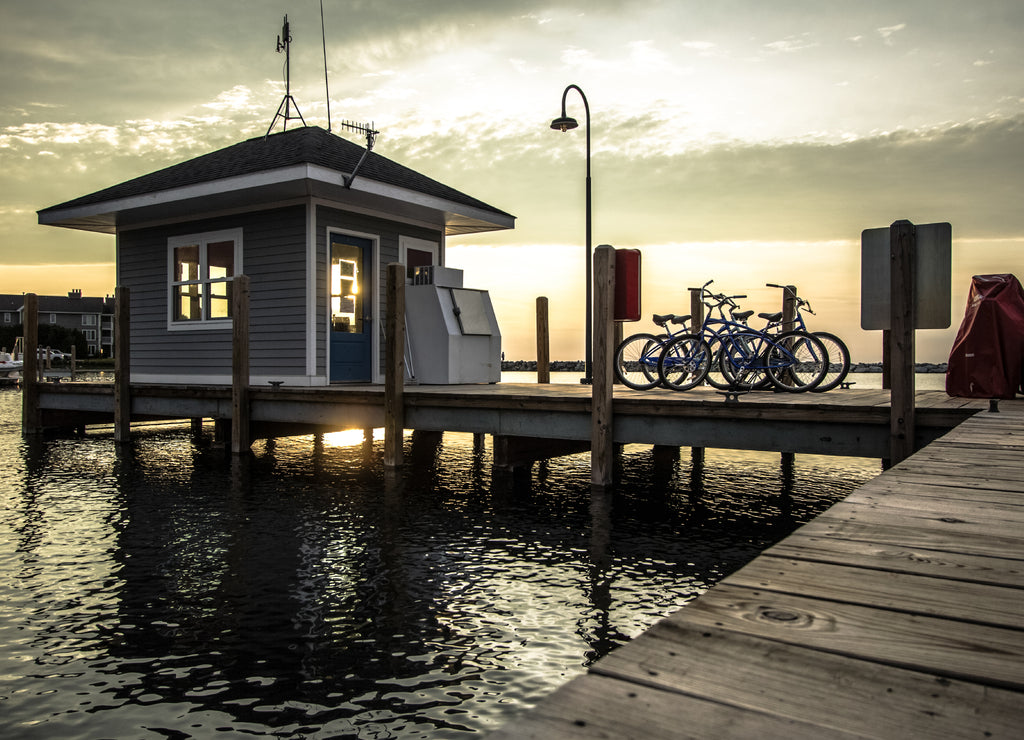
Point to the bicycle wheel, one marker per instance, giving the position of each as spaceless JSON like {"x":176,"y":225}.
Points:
{"x":636,"y":361}
{"x":796,"y":361}
{"x":684,"y":362}
{"x":743,"y":361}
{"x":715,"y":378}
{"x":838,"y":361}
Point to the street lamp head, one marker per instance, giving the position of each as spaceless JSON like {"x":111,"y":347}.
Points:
{"x":564,"y":123}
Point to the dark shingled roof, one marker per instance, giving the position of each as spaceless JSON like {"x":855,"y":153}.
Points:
{"x":306,"y":145}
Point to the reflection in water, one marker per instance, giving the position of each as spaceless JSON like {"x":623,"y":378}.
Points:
{"x":161,"y":589}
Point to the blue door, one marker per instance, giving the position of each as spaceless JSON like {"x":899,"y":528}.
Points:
{"x":351,"y":308}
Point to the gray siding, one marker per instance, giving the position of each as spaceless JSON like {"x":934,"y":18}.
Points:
{"x":388,"y":233}
{"x":274,"y":259}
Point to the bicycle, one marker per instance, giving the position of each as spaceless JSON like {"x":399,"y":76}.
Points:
{"x":838,"y":353}
{"x":791,"y":361}
{"x":636,"y":357}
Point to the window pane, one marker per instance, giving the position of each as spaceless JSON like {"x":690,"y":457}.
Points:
{"x":220,"y":258}
{"x":186,"y":263}
{"x":220,"y":300}
{"x":188,"y":303}
{"x":346,"y":284}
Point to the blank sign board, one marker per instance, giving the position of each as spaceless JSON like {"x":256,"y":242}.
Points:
{"x":932,"y":268}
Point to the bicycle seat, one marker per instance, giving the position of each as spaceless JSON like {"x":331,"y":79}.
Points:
{"x":681,"y":319}
{"x":662,"y":318}
{"x":742,"y":315}
{"x":771,"y":316}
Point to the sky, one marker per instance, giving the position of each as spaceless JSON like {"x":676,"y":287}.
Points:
{"x":743,"y":141}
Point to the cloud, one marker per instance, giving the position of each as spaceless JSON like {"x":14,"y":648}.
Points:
{"x":888,"y":32}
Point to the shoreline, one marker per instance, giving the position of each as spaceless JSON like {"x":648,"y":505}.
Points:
{"x":557,"y":366}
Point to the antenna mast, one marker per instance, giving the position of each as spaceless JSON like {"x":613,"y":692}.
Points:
{"x":284,"y":43}
{"x":327,"y":84}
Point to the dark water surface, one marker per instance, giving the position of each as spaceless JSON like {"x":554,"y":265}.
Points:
{"x":158,"y":591}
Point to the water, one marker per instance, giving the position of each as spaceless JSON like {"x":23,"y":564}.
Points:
{"x":159,"y":591}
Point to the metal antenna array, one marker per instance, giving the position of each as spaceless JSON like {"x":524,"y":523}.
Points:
{"x":366,"y":129}
{"x":284,"y":43}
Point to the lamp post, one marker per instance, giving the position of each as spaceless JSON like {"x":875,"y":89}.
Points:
{"x":565,"y":123}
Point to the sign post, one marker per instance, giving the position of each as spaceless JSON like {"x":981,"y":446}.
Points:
{"x":905,"y":285}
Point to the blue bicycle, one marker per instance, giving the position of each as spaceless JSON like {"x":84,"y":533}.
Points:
{"x":636,"y":357}
{"x":747,"y":358}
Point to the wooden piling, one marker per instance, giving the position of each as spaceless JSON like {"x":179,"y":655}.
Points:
{"x":122,"y":365}
{"x":74,"y":362}
{"x":903,"y":319}
{"x":543,"y":342}
{"x":601,"y":445}
{"x":696,"y":310}
{"x":241,"y":439}
{"x":29,"y":381}
{"x":696,"y":322}
{"x":789,"y":308}
{"x":394,"y":366}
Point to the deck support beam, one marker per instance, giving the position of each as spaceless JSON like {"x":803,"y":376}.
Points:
{"x":520,"y":452}
{"x":394,"y":366}
{"x":902,"y":320}
{"x":241,"y":438}
{"x":30,"y":417}
{"x":543,"y":343}
{"x":122,"y":365}
{"x":601,"y":432}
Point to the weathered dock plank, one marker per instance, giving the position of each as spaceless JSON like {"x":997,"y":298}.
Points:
{"x":896,"y":613}
{"x":836,"y":693}
{"x":953,"y":566}
{"x":927,"y":595}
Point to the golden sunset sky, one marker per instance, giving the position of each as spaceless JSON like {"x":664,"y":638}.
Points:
{"x":748,"y":141}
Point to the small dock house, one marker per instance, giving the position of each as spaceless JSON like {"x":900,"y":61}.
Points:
{"x":310,"y":217}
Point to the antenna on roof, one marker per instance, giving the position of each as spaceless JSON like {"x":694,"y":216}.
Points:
{"x":327,"y":84}
{"x":371,"y":137}
{"x":284,"y":43}
{"x":363,"y":128}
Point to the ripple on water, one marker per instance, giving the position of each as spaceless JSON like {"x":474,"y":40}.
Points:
{"x":154,"y":591}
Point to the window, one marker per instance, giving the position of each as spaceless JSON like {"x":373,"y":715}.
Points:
{"x":90,"y":336}
{"x":415,"y":253}
{"x":7,"y":317}
{"x":202,"y":267}
{"x":88,"y":319}
{"x":53,"y":318}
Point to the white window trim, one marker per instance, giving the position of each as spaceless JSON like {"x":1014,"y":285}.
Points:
{"x":201,"y":239}
{"x":410,"y":242}
{"x":88,"y":319}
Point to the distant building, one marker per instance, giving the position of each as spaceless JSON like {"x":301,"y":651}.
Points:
{"x":93,"y":317}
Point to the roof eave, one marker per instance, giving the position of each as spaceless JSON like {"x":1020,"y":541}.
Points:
{"x":269,"y":186}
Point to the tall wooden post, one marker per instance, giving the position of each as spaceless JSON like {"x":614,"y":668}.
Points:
{"x":543,"y":343}
{"x":902,"y":321}
{"x":696,"y":310}
{"x":601,"y":445}
{"x":122,"y":365}
{"x":240,"y":433}
{"x":696,"y":322}
{"x":788,"y":307}
{"x":394,"y":371}
{"x":30,"y":423}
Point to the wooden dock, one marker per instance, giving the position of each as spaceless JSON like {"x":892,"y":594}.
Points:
{"x":898,"y":613}
{"x":841,"y":422}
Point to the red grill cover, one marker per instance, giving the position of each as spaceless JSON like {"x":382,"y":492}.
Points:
{"x":988,"y":353}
